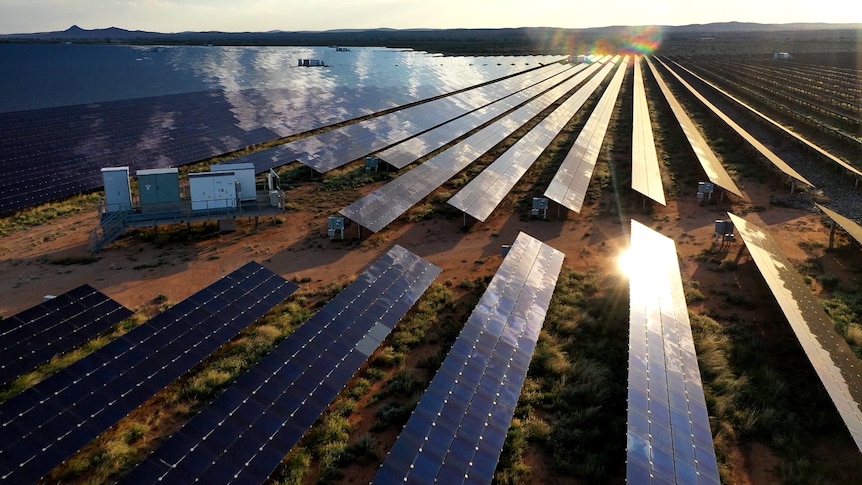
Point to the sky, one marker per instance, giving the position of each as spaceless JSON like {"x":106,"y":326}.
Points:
{"x":25,"y":16}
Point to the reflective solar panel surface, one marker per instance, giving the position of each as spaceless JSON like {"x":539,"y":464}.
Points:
{"x":569,"y":186}
{"x":456,"y":433}
{"x":379,"y":208}
{"x":35,"y":335}
{"x":246,"y":432}
{"x":849,"y":225}
{"x":410,"y":150}
{"x":776,"y":124}
{"x":332,"y":149}
{"x":482,"y":195}
{"x":203,"y":102}
{"x":646,"y":175}
{"x":713,"y":168}
{"x":49,"y":422}
{"x":779,"y":163}
{"x":833,"y":360}
{"x":668,"y":435}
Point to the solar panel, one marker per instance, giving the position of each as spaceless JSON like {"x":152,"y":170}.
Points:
{"x":646,"y":175}
{"x":852,"y":228}
{"x":833,"y":360}
{"x":246,"y":431}
{"x":714,"y":170}
{"x":668,"y":435}
{"x":47,"y":423}
{"x":33,"y":336}
{"x":482,"y":195}
{"x":457,"y":431}
{"x":379,"y":208}
{"x":783,"y":128}
{"x":569,"y":186}
{"x":777,"y":161}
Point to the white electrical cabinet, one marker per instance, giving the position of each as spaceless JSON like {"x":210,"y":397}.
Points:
{"x":118,"y":192}
{"x":244,"y":172}
{"x":212,"y":190}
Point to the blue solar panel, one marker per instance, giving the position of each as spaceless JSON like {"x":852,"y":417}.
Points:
{"x":33,"y":336}
{"x":458,"y":428}
{"x":303,"y":374}
{"x":668,"y":427}
{"x":70,"y":408}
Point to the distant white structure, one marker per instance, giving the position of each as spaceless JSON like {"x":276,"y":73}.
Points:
{"x":781,"y":55}
{"x":310,"y":63}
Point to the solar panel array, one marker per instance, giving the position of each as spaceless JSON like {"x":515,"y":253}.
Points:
{"x":247,"y":430}
{"x":849,"y":225}
{"x":33,"y":336}
{"x":569,"y":186}
{"x":713,"y":168}
{"x":335,"y":148}
{"x":646,"y":175}
{"x":49,"y":422}
{"x":379,"y":208}
{"x":411,"y":150}
{"x":457,"y":431}
{"x":832,"y":358}
{"x":485,"y":192}
{"x":57,"y":152}
{"x":777,"y":161}
{"x":72,"y":143}
{"x":855,"y":171}
{"x":668,"y":436}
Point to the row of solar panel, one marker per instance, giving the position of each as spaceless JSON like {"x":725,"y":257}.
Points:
{"x":646,"y":174}
{"x":668,"y":436}
{"x":200,"y":125}
{"x":787,"y":131}
{"x":391,"y":129}
{"x":411,"y":150}
{"x":774,"y":159}
{"x":569,"y":185}
{"x":836,"y":364}
{"x":47,"y":423}
{"x":334,"y":148}
{"x":376,"y":210}
{"x":246,"y":431}
{"x":32,"y":337}
{"x":457,"y":431}
{"x":713,"y":168}
{"x":485,"y":192}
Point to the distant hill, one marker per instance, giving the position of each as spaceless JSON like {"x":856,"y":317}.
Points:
{"x":526,"y":40}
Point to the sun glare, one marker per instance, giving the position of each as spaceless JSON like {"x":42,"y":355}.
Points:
{"x":626,"y":262}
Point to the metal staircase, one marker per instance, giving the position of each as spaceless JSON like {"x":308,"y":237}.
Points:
{"x":111,"y":226}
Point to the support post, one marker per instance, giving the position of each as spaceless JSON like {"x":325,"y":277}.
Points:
{"x":831,"y":234}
